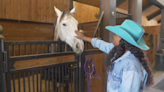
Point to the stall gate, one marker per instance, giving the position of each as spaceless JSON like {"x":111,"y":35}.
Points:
{"x":61,"y":77}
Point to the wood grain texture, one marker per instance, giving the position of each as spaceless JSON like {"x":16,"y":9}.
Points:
{"x":153,"y":31}
{"x":32,"y":10}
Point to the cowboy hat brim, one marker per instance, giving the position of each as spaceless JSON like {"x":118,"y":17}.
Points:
{"x":118,"y":30}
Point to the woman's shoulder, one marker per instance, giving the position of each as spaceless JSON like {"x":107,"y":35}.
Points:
{"x":131,"y":63}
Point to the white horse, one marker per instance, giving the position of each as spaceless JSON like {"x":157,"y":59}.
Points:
{"x":64,"y":29}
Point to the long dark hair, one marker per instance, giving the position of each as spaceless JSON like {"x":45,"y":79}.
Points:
{"x":119,"y":50}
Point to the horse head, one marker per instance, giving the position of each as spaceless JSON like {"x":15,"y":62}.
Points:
{"x":65,"y":27}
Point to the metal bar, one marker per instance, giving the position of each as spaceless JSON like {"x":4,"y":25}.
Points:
{"x":29,"y":81}
{"x":41,"y":48}
{"x":68,"y":76}
{"x":71,"y":5}
{"x":25,"y":49}
{"x":58,"y":46}
{"x":41,"y":80}
{"x":5,"y":62}
{"x":71,"y":79}
{"x":19,"y":49}
{"x":77,"y":73}
{"x":46,"y":48}
{"x":31,"y":42}
{"x":59,"y":78}
{"x":55,"y":48}
{"x":63,"y":47}
{"x":45,"y":80}
{"x":13,"y":82}
{"x":63,"y":78}
{"x":95,"y":51}
{"x":75,"y":80}
{"x":8,"y":82}
{"x":8,"y":74}
{"x":53,"y":79}
{"x":33,"y":81}
{"x":102,"y":14}
{"x":48,"y":79}
{"x":82,"y":72}
{"x":37,"y":80}
{"x":24,"y":84}
{"x":31,"y":49}
{"x":36,"y":48}
{"x":19,"y":82}
{"x":56,"y":70}
{"x":13,"y":47}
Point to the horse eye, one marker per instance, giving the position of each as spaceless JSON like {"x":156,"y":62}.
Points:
{"x":64,"y":24}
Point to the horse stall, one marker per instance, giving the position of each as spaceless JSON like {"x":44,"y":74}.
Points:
{"x":29,"y":63}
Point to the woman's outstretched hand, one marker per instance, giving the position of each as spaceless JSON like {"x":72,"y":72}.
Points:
{"x":81,"y":36}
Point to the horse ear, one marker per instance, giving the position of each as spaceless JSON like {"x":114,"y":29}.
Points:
{"x":73,"y":10}
{"x":58,"y":12}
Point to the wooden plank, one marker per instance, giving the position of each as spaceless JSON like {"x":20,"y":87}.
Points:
{"x":147,"y":7}
{"x":157,"y":3}
{"x":39,"y":11}
{"x":8,"y":9}
{"x":96,"y":84}
{"x":3,"y":8}
{"x":15,"y":9}
{"x":19,"y":10}
{"x":29,"y":10}
{"x":153,"y":35}
{"x":154,"y":15}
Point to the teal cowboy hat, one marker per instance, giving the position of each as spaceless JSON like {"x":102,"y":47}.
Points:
{"x":131,"y":32}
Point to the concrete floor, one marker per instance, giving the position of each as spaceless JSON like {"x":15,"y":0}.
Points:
{"x":158,"y":85}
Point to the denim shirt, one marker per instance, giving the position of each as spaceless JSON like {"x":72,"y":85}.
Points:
{"x":128,"y":74}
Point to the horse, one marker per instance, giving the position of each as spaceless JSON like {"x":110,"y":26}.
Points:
{"x":64,"y":30}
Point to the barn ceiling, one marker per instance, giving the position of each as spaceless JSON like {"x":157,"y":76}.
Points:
{"x":149,"y":10}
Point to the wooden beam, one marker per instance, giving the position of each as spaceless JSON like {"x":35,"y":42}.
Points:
{"x":119,"y":2}
{"x":158,"y":3}
{"x":154,"y":15}
{"x":109,"y":8}
{"x":135,"y":9}
{"x":147,"y":7}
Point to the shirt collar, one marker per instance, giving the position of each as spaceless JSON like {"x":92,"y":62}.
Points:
{"x":128,"y":53}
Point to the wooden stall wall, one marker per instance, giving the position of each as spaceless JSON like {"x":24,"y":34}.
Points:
{"x":32,"y":10}
{"x":152,"y":38}
{"x":85,"y":13}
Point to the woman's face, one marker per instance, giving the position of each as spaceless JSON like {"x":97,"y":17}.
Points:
{"x":116,"y":40}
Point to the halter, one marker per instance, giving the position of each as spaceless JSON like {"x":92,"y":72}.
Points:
{"x":87,"y":72}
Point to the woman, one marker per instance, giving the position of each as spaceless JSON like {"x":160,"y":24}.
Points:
{"x":127,"y":66}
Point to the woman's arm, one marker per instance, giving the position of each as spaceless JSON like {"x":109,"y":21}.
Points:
{"x":96,"y":43}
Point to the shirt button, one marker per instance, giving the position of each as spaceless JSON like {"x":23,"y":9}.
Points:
{"x":108,"y":80}
{"x":114,"y":79}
